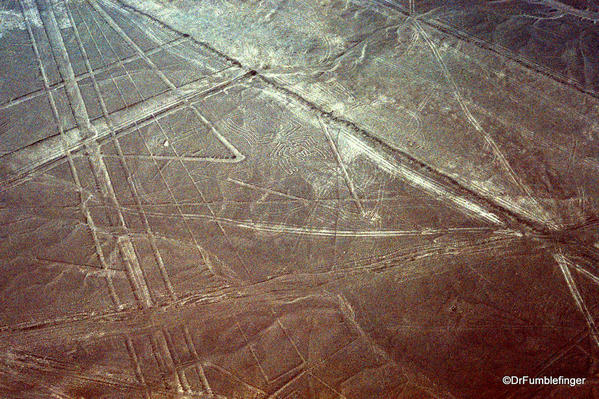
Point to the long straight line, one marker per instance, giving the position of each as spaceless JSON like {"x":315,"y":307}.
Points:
{"x":84,"y":208}
{"x":98,"y":167}
{"x":181,"y":378}
{"x":580,"y":304}
{"x":238,"y":155}
{"x":100,"y":171}
{"x":372,"y":147}
{"x":85,"y":75}
{"x":483,"y":44}
{"x":402,"y":161}
{"x":348,"y":181}
{"x":130,"y":183}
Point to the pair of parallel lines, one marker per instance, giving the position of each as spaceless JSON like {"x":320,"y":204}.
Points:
{"x":100,"y":171}
{"x":140,"y":119}
{"x":164,"y":345}
{"x":60,"y":85}
{"x":128,"y":251}
{"x":167,"y":344}
{"x":55,"y":40}
{"x":238,"y":156}
{"x":484,"y":207}
{"x":410,"y":174}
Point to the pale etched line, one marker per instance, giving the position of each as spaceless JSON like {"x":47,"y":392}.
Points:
{"x":172,"y":355}
{"x":288,"y":336}
{"x":29,"y":96}
{"x":133,"y":189}
{"x":163,"y":368}
{"x":90,"y":270}
{"x":195,"y":355}
{"x":98,"y":167}
{"x":587,"y":274}
{"x":253,"y":352}
{"x":264,"y":189}
{"x":127,"y":60}
{"x":438,"y":25}
{"x":171,"y":158}
{"x":150,"y":114}
{"x":66,"y":70}
{"x":48,"y":324}
{"x":238,"y":156}
{"x":398,"y":169}
{"x":203,"y":253}
{"x":51,"y":153}
{"x":181,"y":378}
{"x":120,"y":64}
{"x":339,"y":394}
{"x":85,"y":324}
{"x":568,"y":9}
{"x":481,"y":327}
{"x":141,"y":211}
{"x":337,"y":212}
{"x":490,"y":203}
{"x":73,"y":170}
{"x":303,"y":362}
{"x":300,"y":235}
{"x":85,"y":75}
{"x":349,"y":314}
{"x":27,"y":378}
{"x":136,"y":365}
{"x":307,"y":368}
{"x":348,"y":180}
{"x":280,"y":228}
{"x":488,"y":139}
{"x":9,"y":360}
{"x":23,"y":360}
{"x":293,"y":380}
{"x":530,"y":135}
{"x":205,"y":256}
{"x":169,"y":362}
{"x":560,"y":354}
{"x":100,"y":53}
{"x":165,"y":107}
{"x":288,"y":198}
{"x":236,"y":378}
{"x":564,"y":266}
{"x":135,"y":271}
{"x":417,"y":179}
{"x":62,"y":369}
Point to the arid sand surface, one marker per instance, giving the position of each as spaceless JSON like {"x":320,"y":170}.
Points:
{"x":298,"y":199}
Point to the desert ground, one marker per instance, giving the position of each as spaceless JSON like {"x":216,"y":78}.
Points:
{"x":298,"y":199}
